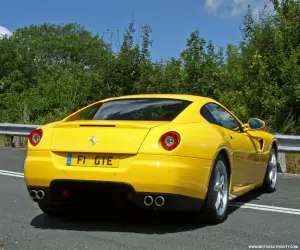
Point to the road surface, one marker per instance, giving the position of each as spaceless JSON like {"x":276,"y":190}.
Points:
{"x":261,"y":221}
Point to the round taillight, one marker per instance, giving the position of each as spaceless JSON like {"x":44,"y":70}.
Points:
{"x":170,"y":140}
{"x":35,"y":136}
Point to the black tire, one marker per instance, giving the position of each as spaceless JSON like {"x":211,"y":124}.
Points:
{"x":269,"y":184}
{"x":210,"y":210}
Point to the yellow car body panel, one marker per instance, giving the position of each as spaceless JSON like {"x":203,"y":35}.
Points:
{"x":131,"y":152}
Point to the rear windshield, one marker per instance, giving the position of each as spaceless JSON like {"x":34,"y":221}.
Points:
{"x":134,"y":110}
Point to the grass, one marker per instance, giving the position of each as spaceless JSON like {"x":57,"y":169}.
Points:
{"x":293,"y":163}
{"x":5,"y":141}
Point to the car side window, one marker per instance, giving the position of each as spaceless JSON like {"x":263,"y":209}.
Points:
{"x":208,"y":116}
{"x":222,"y":117}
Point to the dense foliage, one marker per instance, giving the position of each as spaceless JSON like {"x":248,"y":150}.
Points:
{"x":48,"y":71}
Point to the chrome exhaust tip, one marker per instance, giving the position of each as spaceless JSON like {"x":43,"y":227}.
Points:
{"x":148,"y":201}
{"x":160,"y":201}
{"x":32,"y":194}
{"x":40,"y":194}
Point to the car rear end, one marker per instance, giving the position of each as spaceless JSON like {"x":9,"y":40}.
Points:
{"x":119,"y":150}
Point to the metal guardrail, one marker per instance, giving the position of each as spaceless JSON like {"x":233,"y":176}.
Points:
{"x":12,"y":129}
{"x":286,"y":143}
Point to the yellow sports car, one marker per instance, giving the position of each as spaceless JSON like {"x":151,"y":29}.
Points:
{"x":163,"y":152}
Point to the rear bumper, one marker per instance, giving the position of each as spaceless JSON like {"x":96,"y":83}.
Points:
{"x":182,"y":181}
{"x":113,"y":194}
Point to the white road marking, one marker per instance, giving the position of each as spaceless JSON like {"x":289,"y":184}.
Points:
{"x":10,"y":173}
{"x":231,"y":204}
{"x":265,"y":208}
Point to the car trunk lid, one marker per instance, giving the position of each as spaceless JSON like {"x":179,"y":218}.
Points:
{"x":119,"y":137}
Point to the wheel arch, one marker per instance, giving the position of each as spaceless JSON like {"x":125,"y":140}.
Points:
{"x":225,"y":152}
{"x":275,"y":145}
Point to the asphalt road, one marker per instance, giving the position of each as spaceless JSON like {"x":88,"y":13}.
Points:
{"x":24,"y":226}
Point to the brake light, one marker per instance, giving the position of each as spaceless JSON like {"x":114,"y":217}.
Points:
{"x":35,"y":136}
{"x":170,"y":140}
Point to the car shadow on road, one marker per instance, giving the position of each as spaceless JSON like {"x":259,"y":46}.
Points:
{"x":133,"y":222}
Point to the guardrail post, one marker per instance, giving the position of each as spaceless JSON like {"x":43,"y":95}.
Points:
{"x":282,"y":162}
{"x":12,"y":142}
{"x":17,"y":141}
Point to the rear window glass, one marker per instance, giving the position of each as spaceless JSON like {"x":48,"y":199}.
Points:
{"x":134,"y":110}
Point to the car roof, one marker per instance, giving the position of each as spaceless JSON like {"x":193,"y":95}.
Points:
{"x":192,"y":98}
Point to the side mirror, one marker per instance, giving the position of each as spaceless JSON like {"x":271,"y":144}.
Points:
{"x":256,"y":124}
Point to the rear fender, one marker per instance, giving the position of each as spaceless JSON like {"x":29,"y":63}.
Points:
{"x":198,"y":140}
{"x":225,"y":151}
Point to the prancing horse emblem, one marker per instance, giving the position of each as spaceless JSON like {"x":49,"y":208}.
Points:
{"x":93,"y":140}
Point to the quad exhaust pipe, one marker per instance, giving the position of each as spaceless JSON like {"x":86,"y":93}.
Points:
{"x":148,"y":201}
{"x":36,"y":195}
{"x":159,"y":201}
{"x":32,"y":194}
{"x":40,"y":194}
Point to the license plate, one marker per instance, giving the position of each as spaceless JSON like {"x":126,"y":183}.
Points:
{"x":92,"y":160}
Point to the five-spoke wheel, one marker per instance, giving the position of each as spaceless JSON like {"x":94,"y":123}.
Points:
{"x":217,"y":197}
{"x":270,"y":179}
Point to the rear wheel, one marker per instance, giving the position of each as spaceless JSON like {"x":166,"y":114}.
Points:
{"x":270,"y":179}
{"x":216,"y":204}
